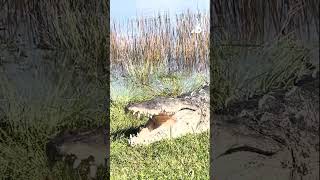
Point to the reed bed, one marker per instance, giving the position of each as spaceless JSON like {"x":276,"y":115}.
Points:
{"x":161,"y":41}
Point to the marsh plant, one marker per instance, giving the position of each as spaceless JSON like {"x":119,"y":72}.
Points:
{"x":160,"y":43}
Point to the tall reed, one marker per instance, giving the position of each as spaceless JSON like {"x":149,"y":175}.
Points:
{"x":162,"y":41}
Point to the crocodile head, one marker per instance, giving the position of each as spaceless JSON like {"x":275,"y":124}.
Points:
{"x":188,"y":114}
{"x":83,"y":150}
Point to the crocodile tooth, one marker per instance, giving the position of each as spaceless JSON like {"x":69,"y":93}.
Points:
{"x":136,"y":114}
{"x":76,"y":163}
{"x":145,"y":115}
{"x":93,"y":171}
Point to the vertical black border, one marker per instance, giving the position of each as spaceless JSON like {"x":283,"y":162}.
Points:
{"x":108,"y":98}
{"x":211,"y":63}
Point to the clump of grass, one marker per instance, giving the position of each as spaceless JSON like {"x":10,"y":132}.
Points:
{"x":127,"y":90}
{"x":239,"y":72}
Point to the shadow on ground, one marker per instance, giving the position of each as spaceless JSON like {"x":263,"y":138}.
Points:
{"x":125,"y":132}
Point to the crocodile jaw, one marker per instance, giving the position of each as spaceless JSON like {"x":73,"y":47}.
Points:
{"x":186,"y":121}
{"x":154,"y":107}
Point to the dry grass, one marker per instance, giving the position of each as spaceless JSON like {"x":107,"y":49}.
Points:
{"x":162,"y":41}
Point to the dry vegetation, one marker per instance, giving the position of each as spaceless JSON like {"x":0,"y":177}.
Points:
{"x":161,"y":41}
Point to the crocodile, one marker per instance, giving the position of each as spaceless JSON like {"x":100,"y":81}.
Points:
{"x":172,"y":117}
